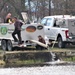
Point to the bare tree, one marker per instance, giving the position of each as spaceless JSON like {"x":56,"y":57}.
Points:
{"x":42,"y":7}
{"x":49,"y":7}
{"x":13,"y":6}
{"x":64,"y":6}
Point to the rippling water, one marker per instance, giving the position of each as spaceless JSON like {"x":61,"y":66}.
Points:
{"x":45,"y":70}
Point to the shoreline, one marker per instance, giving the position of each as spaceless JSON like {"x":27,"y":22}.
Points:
{"x":35,"y":58}
{"x":55,"y":63}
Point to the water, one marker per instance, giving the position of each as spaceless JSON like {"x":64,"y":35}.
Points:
{"x":45,"y":70}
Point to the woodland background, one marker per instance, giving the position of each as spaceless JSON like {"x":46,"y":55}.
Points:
{"x":36,"y":9}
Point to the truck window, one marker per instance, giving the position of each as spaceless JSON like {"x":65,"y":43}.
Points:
{"x":49,"y":22}
{"x":44,"y":21}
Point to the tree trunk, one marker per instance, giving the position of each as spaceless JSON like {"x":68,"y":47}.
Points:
{"x":49,"y":7}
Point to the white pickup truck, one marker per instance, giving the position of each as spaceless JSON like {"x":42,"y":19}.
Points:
{"x":60,"y":28}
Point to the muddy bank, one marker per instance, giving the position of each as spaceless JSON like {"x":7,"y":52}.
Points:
{"x":33,"y":58}
{"x":25,"y":58}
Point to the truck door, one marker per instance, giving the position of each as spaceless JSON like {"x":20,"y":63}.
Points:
{"x":48,"y":27}
{"x":51,"y":29}
{"x":48,"y":23}
{"x":44,"y":20}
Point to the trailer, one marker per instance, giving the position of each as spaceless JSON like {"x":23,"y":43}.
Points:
{"x":28,"y":32}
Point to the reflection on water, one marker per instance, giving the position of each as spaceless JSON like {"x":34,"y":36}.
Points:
{"x":45,"y":70}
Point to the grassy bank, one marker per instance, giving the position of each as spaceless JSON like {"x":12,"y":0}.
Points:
{"x":17,"y":62}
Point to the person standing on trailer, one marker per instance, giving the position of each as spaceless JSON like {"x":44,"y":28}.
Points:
{"x":17,"y":30}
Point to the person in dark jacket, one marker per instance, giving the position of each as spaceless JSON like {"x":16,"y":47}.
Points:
{"x":17,"y":30}
{"x":40,"y":39}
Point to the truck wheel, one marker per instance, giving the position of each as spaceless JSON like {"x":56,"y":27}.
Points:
{"x":9,"y":45}
{"x":61,"y":44}
{"x":3,"y":44}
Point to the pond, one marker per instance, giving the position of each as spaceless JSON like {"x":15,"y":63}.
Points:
{"x":44,"y":70}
